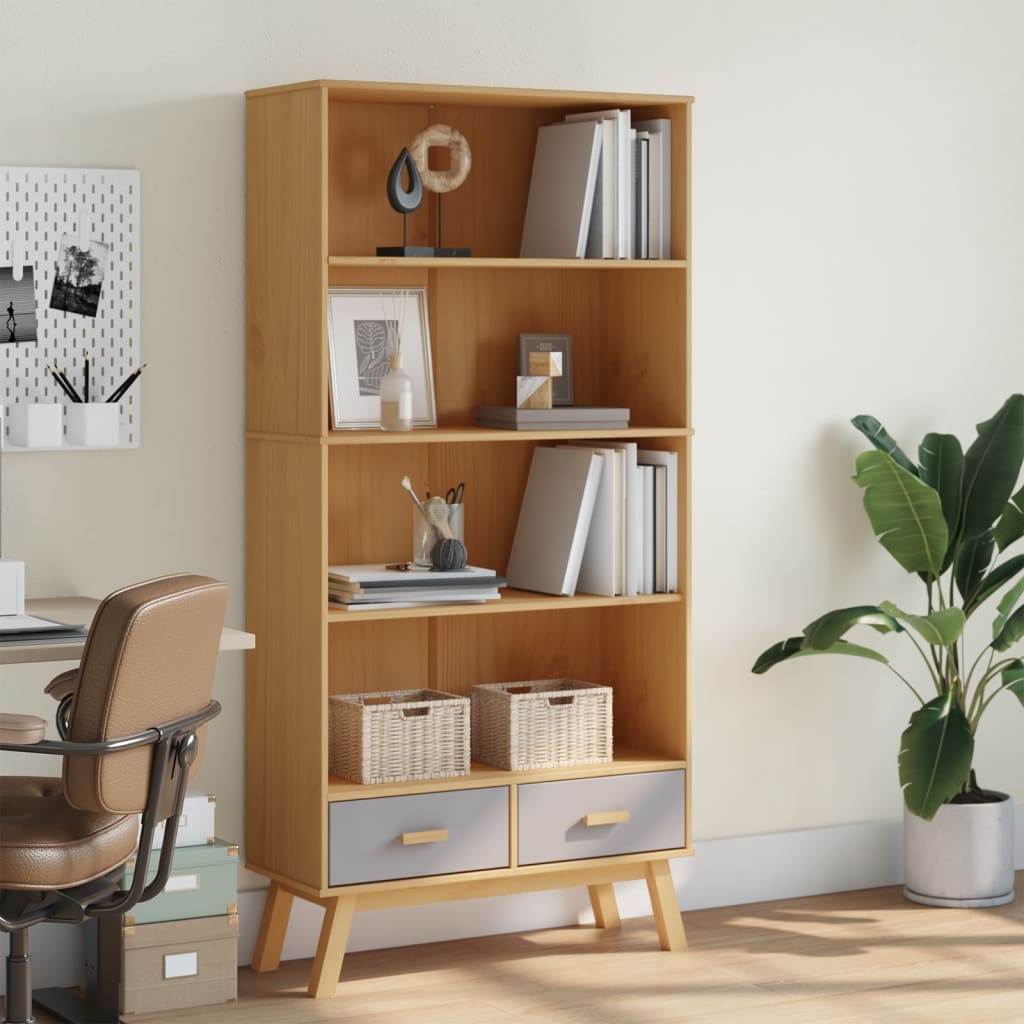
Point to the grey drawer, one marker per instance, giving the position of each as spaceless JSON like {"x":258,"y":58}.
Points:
{"x":365,"y":839}
{"x":552,"y":816}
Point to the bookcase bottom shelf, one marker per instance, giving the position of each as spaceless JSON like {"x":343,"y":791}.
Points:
{"x":599,"y":878}
{"x":625,"y":762}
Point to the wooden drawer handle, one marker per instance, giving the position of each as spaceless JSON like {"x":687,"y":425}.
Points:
{"x":606,"y":818}
{"x":434,"y":835}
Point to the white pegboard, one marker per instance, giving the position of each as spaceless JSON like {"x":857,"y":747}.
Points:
{"x":39,"y":207}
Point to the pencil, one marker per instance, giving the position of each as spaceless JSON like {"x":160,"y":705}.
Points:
{"x":126,"y":384}
{"x":86,"y":388}
{"x":60,"y":381}
{"x":68,"y":386}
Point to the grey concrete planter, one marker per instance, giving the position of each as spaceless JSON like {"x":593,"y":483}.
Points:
{"x":963,"y":857}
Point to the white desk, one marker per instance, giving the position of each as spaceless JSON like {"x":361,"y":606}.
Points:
{"x":82,"y":609}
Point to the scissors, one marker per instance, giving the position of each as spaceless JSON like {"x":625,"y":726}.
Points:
{"x":454,"y":495}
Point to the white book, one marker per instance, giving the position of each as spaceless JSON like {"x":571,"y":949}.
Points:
{"x":670,"y":460}
{"x":662,"y":126}
{"x":554,"y":520}
{"x":380,"y":573}
{"x":561,"y":191}
{"x":601,"y":571}
{"x":623,"y":175}
{"x":632,"y":539}
{"x":601,"y":236}
{"x":632,"y":197}
{"x":388,"y":605}
{"x":647,"y":529}
{"x":425,"y":595}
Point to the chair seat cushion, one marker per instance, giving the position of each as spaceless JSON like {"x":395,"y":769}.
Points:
{"x":47,"y":844}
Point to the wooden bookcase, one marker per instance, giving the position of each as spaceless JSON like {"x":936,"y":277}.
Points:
{"x":317,"y":156}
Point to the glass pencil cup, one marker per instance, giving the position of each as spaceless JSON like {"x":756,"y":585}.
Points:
{"x":425,"y":536}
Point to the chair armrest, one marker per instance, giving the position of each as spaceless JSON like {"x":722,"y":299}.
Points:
{"x":21,"y":729}
{"x":146,"y":738}
{"x":60,"y":686}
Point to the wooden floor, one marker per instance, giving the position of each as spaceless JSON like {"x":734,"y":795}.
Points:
{"x":860,"y":956}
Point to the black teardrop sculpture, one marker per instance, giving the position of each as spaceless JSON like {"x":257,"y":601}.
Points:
{"x":405,"y":200}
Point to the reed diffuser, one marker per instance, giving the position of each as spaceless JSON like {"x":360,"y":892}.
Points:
{"x":396,"y":384}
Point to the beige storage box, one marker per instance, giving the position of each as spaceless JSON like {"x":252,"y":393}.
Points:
{"x":398,"y":736}
{"x":544,"y":723}
{"x":175,"y":964}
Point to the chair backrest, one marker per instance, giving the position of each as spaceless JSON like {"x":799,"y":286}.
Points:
{"x":149,"y":659}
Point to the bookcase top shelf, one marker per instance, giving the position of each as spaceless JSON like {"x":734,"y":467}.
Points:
{"x":474,"y":95}
{"x":511,"y":601}
{"x":498,"y":263}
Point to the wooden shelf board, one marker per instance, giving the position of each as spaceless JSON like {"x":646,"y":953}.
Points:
{"x":470,"y":95}
{"x":511,"y":601}
{"x":476,"y":435}
{"x":494,"y":263}
{"x":626,"y":762}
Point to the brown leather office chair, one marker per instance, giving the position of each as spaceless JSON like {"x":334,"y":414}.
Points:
{"x":131,"y":719}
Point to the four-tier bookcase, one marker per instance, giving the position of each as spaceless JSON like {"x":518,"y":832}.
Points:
{"x":317,"y":157}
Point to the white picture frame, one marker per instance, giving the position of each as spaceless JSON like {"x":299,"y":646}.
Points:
{"x":358,"y":345}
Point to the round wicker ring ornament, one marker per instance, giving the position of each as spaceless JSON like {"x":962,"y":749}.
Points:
{"x":446,"y":137}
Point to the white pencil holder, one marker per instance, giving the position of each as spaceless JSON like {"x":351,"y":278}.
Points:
{"x":36,"y":424}
{"x":94,"y":424}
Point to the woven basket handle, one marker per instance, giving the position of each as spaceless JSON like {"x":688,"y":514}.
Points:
{"x":415,"y":712}
{"x":561,"y":702}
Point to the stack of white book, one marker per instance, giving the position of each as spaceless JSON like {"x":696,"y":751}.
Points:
{"x":599,"y":518}
{"x":601,"y":189}
{"x":367,"y":587}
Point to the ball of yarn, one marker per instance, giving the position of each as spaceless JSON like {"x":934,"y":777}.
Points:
{"x":449,"y":554}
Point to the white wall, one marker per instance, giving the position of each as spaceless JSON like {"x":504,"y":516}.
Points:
{"x":858,"y":220}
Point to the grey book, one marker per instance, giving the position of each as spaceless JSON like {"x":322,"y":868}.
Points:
{"x":563,"y":417}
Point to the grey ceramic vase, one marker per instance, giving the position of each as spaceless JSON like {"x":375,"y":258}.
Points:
{"x":963,"y":857}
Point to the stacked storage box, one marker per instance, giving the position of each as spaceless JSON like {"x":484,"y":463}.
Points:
{"x":181,"y":948}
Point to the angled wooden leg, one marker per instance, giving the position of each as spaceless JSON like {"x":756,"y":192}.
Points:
{"x":330,"y":950}
{"x":666,"y":909}
{"x":606,"y":910}
{"x":276,"y":911}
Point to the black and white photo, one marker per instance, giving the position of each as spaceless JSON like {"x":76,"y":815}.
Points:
{"x":18,"y":306}
{"x":79,"y":278}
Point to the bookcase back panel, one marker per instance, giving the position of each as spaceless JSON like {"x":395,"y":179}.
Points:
{"x":485,"y":214}
{"x":643,"y":650}
{"x":380,"y":656}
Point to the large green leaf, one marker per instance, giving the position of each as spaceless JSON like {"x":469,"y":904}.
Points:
{"x":1006,"y":606}
{"x":940,"y":628}
{"x":942,"y":469}
{"x":935,"y":755}
{"x":1011,"y":523}
{"x":1013,"y":679}
{"x":1011,"y":632}
{"x":991,"y":467}
{"x":995,"y":580}
{"x":822,"y":633}
{"x":905,"y":513}
{"x":972,"y":562}
{"x":883,"y":441}
{"x":793,"y":648}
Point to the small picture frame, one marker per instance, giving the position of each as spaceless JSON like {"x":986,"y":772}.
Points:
{"x":361,"y":326}
{"x":561,"y":387}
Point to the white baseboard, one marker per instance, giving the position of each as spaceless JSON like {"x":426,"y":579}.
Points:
{"x":724,"y":872}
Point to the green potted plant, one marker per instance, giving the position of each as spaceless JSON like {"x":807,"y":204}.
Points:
{"x":950,"y":518}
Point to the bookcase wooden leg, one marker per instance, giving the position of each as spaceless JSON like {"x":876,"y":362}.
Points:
{"x":276,"y":911}
{"x":330,"y":950}
{"x":669,"y":921}
{"x":606,"y":910}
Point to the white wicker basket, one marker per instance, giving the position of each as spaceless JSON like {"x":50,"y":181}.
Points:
{"x":398,"y":735}
{"x":547,"y":723}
